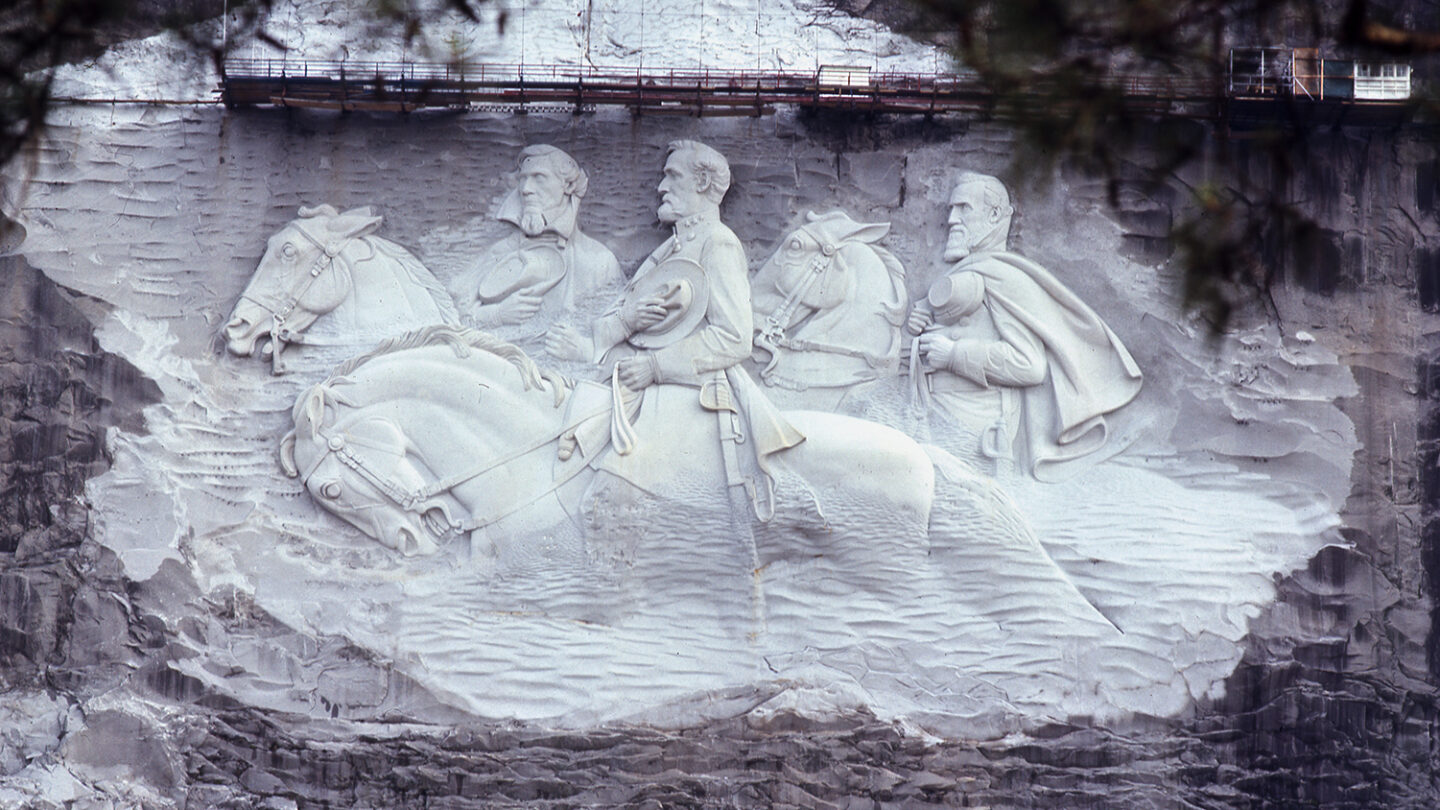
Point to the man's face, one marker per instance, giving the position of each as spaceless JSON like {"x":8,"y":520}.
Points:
{"x":679,"y":195}
{"x":970,"y":220}
{"x":542,"y":192}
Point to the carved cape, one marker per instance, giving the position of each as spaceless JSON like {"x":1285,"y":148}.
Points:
{"x":1089,"y":372}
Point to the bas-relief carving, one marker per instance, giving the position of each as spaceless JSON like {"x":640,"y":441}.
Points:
{"x":546,"y":271}
{"x":1023,"y":368}
{"x":666,"y":501}
{"x":329,"y":268}
{"x":399,"y":444}
{"x":680,"y":331}
{"x":829,"y":304}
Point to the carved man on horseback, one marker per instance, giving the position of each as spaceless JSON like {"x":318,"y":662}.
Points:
{"x":679,"y":333}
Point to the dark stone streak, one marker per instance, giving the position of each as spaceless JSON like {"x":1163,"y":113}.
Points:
{"x":58,"y":394}
{"x":1429,"y":458}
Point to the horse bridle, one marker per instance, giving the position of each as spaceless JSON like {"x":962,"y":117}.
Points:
{"x":774,"y":329}
{"x":772,"y":335}
{"x":280,"y":334}
{"x":412,"y":500}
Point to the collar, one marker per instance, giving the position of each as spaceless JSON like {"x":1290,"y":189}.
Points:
{"x":688,"y":228}
{"x":562,"y":227}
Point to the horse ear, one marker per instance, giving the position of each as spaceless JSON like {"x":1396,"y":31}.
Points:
{"x":871,"y":232}
{"x":287,"y":456}
{"x":381,"y":435}
{"x":353,"y":223}
{"x":325,"y":210}
{"x":843,"y":228}
{"x":314,"y":407}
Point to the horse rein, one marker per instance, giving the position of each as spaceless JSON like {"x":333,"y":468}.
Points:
{"x":281,"y":335}
{"x":772,"y":335}
{"x":410,"y":500}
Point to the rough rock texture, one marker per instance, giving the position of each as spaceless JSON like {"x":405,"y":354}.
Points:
{"x":59,"y":613}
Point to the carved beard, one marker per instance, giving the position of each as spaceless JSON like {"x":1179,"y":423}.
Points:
{"x":959,"y":245}
{"x":533,"y":219}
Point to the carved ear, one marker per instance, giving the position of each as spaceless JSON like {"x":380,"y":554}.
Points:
{"x":380,"y":435}
{"x":313,"y":408}
{"x":287,"y":455}
{"x":325,"y":210}
{"x":871,"y":232}
{"x":843,"y":228}
{"x":359,"y":222}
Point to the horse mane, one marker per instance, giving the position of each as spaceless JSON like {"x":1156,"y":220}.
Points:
{"x":418,"y":274}
{"x":461,"y":340}
{"x":897,"y":270}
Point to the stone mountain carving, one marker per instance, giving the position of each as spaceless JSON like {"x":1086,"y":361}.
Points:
{"x":547,"y":269}
{"x":331,"y":265}
{"x":668,"y":502}
{"x":446,"y":433}
{"x":684,"y":325}
{"x":1026,"y":370}
{"x":829,"y":304}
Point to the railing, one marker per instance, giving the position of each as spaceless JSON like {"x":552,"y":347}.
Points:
{"x":490,"y":72}
{"x":460,"y":76}
{"x":1254,"y":73}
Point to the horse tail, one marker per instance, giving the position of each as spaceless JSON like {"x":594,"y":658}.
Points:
{"x":977,"y":530}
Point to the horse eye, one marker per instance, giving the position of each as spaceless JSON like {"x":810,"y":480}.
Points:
{"x":795,"y":244}
{"x":331,"y":490}
{"x":288,"y":251}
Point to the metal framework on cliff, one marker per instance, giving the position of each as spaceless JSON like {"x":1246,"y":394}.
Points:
{"x":409,"y":86}
{"x":1263,"y":86}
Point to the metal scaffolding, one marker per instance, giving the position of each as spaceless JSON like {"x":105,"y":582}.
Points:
{"x":409,"y":86}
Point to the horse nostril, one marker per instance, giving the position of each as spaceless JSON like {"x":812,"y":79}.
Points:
{"x":409,"y":543}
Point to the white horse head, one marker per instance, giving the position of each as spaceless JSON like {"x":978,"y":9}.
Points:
{"x":829,"y":304}
{"x":403,"y":442}
{"x":329,"y":263}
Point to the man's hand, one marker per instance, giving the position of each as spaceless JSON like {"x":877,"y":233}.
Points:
{"x":564,"y":343}
{"x":636,"y":372}
{"x":639,"y":315}
{"x":518,"y":308}
{"x":920,"y":318}
{"x":936,"y":348}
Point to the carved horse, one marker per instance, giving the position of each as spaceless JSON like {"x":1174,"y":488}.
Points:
{"x":330,"y":263}
{"x":447,"y":432}
{"x":828,"y":306}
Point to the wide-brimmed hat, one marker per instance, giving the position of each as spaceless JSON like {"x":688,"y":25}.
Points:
{"x":681,"y":284}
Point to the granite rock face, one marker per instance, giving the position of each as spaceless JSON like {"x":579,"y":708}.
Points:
{"x":129,"y":678}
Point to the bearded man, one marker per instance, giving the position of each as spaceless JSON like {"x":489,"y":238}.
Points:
{"x":1025,"y":369}
{"x":547,"y":268}
{"x":679,"y":333}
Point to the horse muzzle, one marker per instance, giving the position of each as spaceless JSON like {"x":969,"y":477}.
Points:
{"x":244,"y":329}
{"x":405,"y":532}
